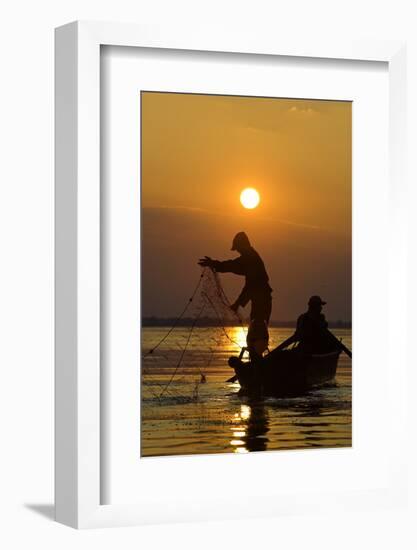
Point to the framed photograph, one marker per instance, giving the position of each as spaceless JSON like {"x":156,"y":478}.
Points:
{"x":228,"y":215}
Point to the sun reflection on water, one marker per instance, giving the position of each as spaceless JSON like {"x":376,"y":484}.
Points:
{"x":249,"y":427}
{"x":245,"y":412}
{"x":238,"y":336}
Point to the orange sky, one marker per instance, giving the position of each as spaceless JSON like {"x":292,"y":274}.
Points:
{"x":200,"y":151}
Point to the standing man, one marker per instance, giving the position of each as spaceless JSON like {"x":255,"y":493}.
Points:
{"x":256,"y":290}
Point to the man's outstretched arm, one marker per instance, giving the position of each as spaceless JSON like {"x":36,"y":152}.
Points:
{"x":228,"y":266}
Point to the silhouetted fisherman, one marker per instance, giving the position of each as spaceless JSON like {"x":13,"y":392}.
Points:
{"x":256,"y":290}
{"x":311,"y":333}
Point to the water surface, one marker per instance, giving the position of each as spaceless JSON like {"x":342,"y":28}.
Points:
{"x":181,"y":415}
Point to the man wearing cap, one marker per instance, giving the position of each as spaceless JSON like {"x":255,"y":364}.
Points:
{"x":256,"y":290}
{"x":311,"y":331}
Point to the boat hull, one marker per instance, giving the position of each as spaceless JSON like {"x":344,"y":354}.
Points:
{"x":287,"y":373}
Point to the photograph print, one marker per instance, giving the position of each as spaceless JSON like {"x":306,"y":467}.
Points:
{"x":246,"y":283}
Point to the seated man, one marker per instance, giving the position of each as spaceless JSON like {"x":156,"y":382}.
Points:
{"x":311,"y":332}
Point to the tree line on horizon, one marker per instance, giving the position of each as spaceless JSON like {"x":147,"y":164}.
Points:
{"x":213,"y":322}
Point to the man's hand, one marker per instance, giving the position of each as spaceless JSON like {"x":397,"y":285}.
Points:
{"x":206,"y":262}
{"x":234,"y":307}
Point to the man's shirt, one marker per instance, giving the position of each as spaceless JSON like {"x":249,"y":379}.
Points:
{"x":312,"y":331}
{"x":250,"y":265}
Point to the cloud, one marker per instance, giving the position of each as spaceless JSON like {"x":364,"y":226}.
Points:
{"x":300,"y":261}
{"x":223,"y":214}
{"x":304,"y":110}
{"x":176,"y":207}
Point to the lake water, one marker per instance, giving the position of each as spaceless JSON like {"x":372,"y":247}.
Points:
{"x":182,"y":416}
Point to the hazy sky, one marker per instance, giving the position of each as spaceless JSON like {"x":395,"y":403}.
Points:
{"x":200,"y":151}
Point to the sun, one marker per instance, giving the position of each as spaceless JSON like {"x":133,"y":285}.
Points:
{"x":249,"y":198}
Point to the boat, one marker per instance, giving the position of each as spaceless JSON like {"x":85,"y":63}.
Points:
{"x":285,"y":373}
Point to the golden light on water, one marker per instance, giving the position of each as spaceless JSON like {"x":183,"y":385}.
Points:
{"x":239,"y":429}
{"x":245,"y":412}
{"x":238,"y":337}
{"x":239,"y":434}
{"x":249,"y":198}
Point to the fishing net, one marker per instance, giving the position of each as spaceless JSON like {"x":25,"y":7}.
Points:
{"x":176,"y":360}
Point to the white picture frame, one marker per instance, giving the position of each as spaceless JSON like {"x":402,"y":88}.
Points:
{"x":78,"y":320}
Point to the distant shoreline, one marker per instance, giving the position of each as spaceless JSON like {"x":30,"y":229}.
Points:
{"x":210,"y":322}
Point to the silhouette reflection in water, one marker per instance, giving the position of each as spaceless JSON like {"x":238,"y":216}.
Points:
{"x":250,"y":427}
{"x":310,"y":416}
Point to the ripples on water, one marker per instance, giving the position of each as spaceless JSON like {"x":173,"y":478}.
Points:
{"x":193,"y":418}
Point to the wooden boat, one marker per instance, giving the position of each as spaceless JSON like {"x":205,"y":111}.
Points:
{"x":285,"y":372}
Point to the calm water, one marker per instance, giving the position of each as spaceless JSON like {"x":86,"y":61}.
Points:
{"x":182,"y":416}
